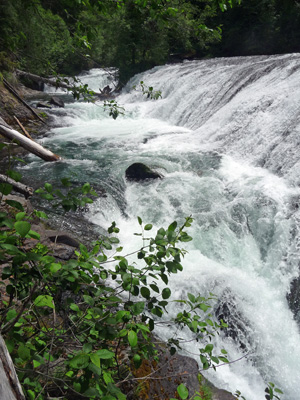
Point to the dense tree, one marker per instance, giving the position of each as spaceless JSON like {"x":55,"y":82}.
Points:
{"x":259,"y":27}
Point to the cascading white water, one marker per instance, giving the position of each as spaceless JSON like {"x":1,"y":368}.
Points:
{"x":225,"y":137}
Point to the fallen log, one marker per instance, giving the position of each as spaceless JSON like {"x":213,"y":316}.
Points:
{"x":10,"y":388}
{"x":49,"y":81}
{"x":12,"y":90}
{"x":26,"y":143}
{"x":27,"y":191}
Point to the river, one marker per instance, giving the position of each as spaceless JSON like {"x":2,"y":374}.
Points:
{"x":225,"y":136}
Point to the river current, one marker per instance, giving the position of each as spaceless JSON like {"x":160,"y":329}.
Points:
{"x":225,"y":136}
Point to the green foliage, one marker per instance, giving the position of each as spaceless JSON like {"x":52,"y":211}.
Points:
{"x":270,"y":393}
{"x":64,"y":323}
{"x":113,"y":108}
{"x":148,"y":91}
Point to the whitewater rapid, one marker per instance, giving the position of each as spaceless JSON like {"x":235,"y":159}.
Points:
{"x":225,"y":135}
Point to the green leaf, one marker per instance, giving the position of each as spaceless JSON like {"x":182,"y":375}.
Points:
{"x":87,"y":348}
{"x":55,"y":267}
{"x":140,"y":220}
{"x":22,"y":227}
{"x":105,"y":354}
{"x":79,"y":361}
{"x":74,"y":307}
{"x":34,"y":235}
{"x":209,"y":348}
{"x":11,"y":315}
{"x":23,"y":352}
{"x":91,"y":393}
{"x":132,"y":338}
{"x":166,"y":293}
{"x":44,"y":301}
{"x":16,"y":176}
{"x":145,"y":292}
{"x":86,"y":188}
{"x":31,"y":395}
{"x":224,"y":359}
{"x":36,"y":363}
{"x":138,"y":308}
{"x":20,"y":216}
{"x":137,"y":361}
{"x":155,"y":288}
{"x":182,"y":391}
{"x":95,"y":359}
{"x":148,"y":227}
{"x":15,"y":204}
{"x":173,"y":226}
{"x":5,"y":188}
{"x":48,"y":187}
{"x":191,"y":297}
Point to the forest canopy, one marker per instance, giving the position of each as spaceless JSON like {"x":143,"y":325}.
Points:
{"x":66,"y":36}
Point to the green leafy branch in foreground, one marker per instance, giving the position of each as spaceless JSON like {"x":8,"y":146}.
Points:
{"x":65,"y":324}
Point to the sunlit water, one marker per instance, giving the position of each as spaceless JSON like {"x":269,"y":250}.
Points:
{"x":225,"y":136}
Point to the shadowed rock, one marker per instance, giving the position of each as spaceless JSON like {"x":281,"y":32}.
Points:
{"x":56,"y":101}
{"x":139,"y":172}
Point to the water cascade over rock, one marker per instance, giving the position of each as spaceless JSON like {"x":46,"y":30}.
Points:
{"x":226,"y":135}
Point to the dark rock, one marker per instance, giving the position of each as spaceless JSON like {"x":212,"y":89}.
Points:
{"x":43,"y":105}
{"x":140,"y":172}
{"x":56,"y":101}
{"x":169,"y":373}
{"x":293,"y":298}
{"x":62,"y":238}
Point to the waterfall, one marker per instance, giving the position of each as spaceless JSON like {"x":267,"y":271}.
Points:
{"x":225,"y":135}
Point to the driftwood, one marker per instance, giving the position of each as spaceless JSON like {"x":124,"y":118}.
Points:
{"x":12,"y":90}
{"x":10,"y":388}
{"x":27,"y":143}
{"x":27,"y":191}
{"x":22,"y":127}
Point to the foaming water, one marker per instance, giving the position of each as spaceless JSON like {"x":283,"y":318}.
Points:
{"x":219,"y":122}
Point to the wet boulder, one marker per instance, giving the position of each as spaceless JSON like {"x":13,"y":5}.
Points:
{"x":140,"y":172}
{"x":56,"y":101}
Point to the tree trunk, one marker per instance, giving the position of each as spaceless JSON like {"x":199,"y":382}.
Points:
{"x":27,"y":191}
{"x":28,"y":144}
{"x":10,"y":388}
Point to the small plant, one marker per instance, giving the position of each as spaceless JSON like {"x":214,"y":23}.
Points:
{"x":113,"y":108}
{"x":148,"y":91}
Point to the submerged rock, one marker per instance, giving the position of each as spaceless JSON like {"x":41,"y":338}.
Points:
{"x":140,"y":172}
{"x":41,"y":104}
